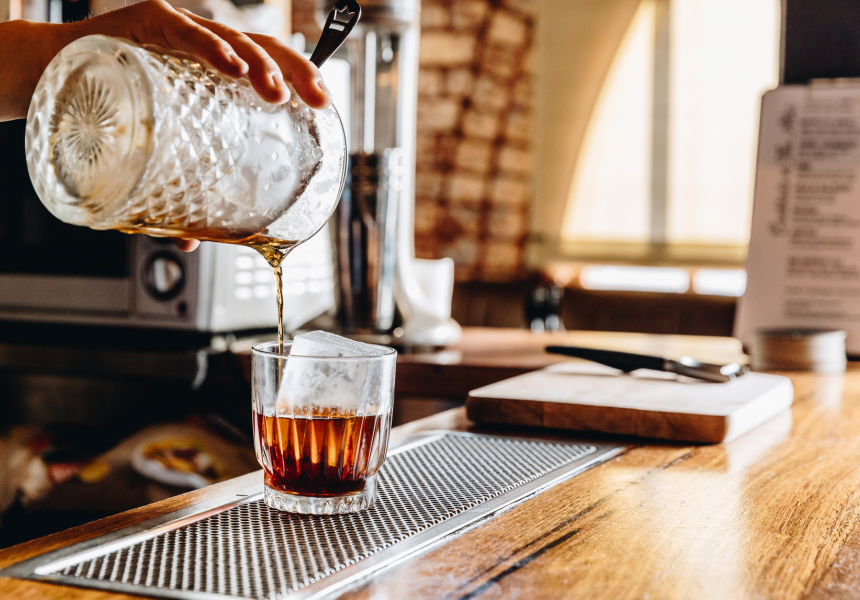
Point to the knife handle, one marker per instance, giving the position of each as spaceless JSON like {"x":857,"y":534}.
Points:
{"x":623,"y":361}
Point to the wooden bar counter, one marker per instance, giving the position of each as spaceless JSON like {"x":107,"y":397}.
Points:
{"x":773,"y":514}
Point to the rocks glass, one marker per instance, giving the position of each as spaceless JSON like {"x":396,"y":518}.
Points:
{"x":321,"y":425}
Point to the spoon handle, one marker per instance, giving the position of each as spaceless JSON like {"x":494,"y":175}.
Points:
{"x":340,"y":21}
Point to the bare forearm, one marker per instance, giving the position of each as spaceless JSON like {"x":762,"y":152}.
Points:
{"x":26,"y":48}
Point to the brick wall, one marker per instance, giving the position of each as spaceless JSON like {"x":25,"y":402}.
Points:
{"x":474,"y":165}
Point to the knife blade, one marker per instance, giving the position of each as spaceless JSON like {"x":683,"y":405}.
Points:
{"x":629,"y":361}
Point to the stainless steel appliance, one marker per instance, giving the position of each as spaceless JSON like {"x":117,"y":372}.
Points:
{"x":373,"y":227}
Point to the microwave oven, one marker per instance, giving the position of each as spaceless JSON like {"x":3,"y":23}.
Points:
{"x":52,"y":272}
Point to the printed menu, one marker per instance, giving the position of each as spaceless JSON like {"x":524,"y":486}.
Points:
{"x":803,"y":266}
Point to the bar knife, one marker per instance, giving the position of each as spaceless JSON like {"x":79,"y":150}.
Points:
{"x":628,"y":361}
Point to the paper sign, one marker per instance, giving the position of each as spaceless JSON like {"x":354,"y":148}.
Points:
{"x":803,"y":267}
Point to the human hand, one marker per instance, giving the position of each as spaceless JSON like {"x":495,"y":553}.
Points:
{"x":264,"y":60}
{"x":28,"y":47}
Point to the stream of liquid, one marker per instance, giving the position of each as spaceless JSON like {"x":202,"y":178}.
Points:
{"x":274,"y":251}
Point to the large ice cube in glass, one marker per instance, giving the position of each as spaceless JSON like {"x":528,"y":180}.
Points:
{"x":347,"y":385}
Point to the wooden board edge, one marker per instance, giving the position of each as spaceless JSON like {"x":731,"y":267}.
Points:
{"x":763,"y":409}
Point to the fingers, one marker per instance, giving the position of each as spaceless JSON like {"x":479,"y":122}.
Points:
{"x":300,"y":72}
{"x":206,"y":45}
{"x":263,"y":72}
{"x":157,"y":23}
{"x":270,"y":62}
{"x":186,"y":245}
{"x":266,"y":61}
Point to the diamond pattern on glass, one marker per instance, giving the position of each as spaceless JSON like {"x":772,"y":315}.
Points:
{"x":147,"y":142}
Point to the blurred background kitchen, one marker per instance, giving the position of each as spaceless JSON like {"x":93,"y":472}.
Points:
{"x":579,"y":164}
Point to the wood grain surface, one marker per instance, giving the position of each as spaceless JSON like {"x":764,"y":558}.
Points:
{"x":772,"y":514}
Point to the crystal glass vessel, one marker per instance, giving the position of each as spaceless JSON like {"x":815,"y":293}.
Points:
{"x":321,"y":425}
{"x":125,"y":137}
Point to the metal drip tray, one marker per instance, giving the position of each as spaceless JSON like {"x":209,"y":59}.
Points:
{"x":430,"y":487}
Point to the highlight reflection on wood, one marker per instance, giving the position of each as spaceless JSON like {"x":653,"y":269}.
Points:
{"x":773,"y":514}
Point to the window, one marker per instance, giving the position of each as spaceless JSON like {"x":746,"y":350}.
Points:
{"x":661,"y":122}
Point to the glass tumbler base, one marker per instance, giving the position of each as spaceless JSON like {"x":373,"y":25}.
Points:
{"x":322,"y":505}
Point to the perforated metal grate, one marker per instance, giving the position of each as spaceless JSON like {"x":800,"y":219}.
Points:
{"x":252,"y":551}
